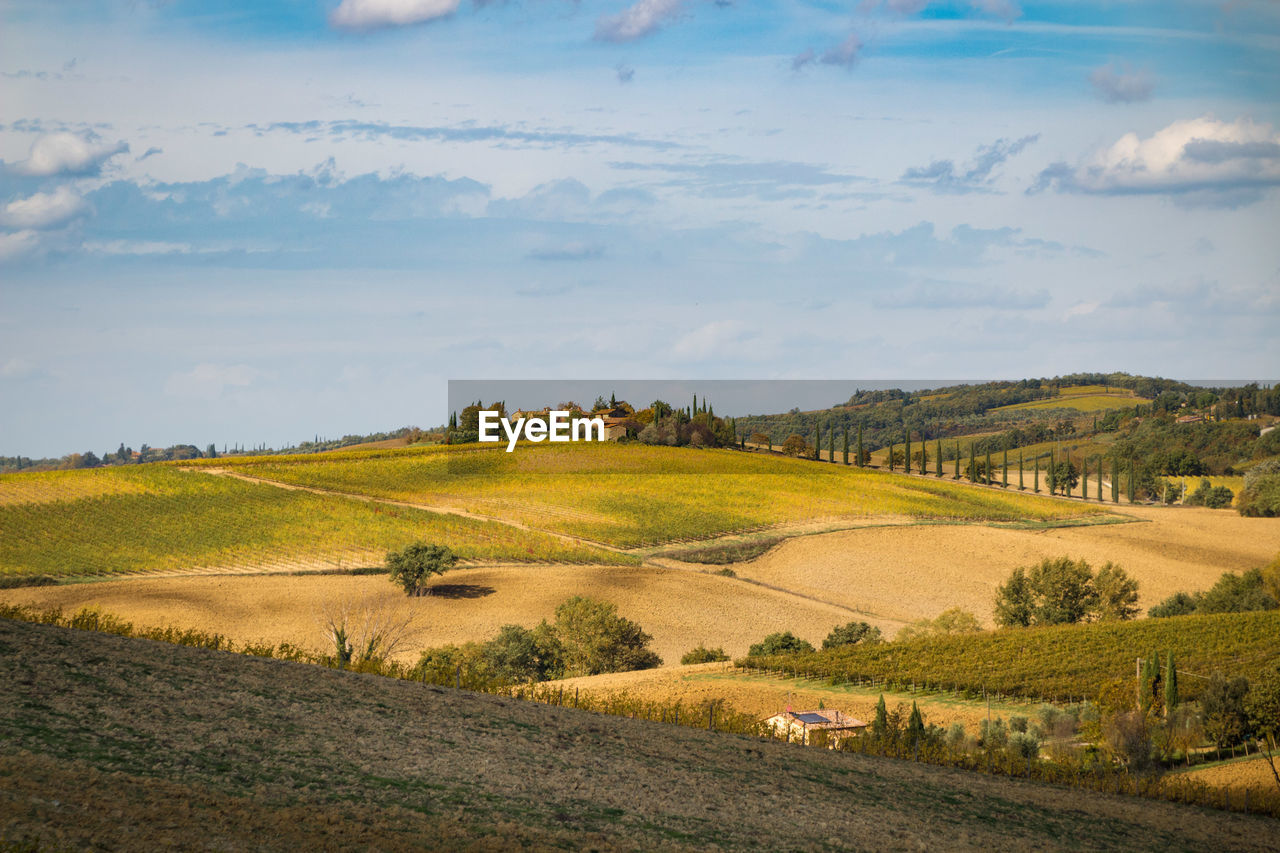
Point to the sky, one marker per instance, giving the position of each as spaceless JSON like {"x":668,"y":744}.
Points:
{"x":255,"y":222}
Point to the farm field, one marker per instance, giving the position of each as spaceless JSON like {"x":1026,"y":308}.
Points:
{"x":1238,"y":774}
{"x":679,"y":608}
{"x":763,"y":695}
{"x":1058,"y":662}
{"x":200,"y":744}
{"x":911,"y":572}
{"x":160,"y":518}
{"x":635,"y":495}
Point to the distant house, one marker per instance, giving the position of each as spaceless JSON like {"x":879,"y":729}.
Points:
{"x":800,"y":726}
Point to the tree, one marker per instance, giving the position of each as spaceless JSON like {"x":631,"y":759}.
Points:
{"x":1063,"y":591}
{"x":846,"y":445}
{"x":795,"y":445}
{"x":937,"y":459}
{"x":973,"y":464}
{"x":414,"y":565}
{"x":851,"y":634}
{"x":518,"y":654}
{"x":1237,"y":594}
{"x":891,"y":457}
{"x":1036,"y":481}
{"x":817,"y":441}
{"x":861,"y":458}
{"x":1115,"y":479}
{"x":1004,"y":469}
{"x":1225,"y":718}
{"x":780,"y":643}
{"x":701,"y":654}
{"x":1171,"y":698}
{"x":880,"y":724}
{"x":1022,"y":486}
{"x":1116,"y":594}
{"x":1178,"y":604}
{"x":761,"y":438}
{"x":1263,"y":708}
{"x":595,"y":639}
{"x":953,"y":620}
{"x":1261,"y":494}
{"x":915,"y":727}
{"x":1065,"y":477}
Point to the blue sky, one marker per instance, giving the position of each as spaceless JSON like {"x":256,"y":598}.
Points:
{"x":256,"y":221}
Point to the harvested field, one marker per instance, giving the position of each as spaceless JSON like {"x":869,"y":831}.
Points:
{"x":763,"y":695}
{"x":1237,"y":775}
{"x":186,"y":732}
{"x":679,"y":608}
{"x":906,"y":573}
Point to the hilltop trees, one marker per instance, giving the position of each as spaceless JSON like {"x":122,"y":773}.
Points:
{"x":1063,"y":591}
{"x":780,"y":643}
{"x":852,"y":634}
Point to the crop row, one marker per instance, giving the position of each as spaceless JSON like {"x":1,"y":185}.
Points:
{"x":635,"y":495}
{"x":1052,"y":662}
{"x":166,"y":519}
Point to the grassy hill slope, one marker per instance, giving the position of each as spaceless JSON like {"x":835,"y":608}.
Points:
{"x":190,"y":737}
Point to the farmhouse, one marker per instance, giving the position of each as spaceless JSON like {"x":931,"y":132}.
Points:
{"x":801,"y":725}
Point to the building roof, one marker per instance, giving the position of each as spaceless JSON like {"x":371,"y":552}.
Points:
{"x":822,"y":719}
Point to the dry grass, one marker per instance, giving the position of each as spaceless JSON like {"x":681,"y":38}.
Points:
{"x":679,"y":608}
{"x":1237,"y":775}
{"x":906,"y":573}
{"x":298,"y":741}
{"x":763,"y":695}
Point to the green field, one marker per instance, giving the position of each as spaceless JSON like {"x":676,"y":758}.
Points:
{"x":155,"y":517}
{"x":634,"y":495}
{"x":1056,"y":662}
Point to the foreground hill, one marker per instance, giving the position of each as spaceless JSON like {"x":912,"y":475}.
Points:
{"x":112,"y":742}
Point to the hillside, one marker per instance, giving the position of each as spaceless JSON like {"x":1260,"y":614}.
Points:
{"x":114,"y":741}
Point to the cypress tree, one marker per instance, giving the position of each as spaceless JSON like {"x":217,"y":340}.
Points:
{"x":1022,"y":487}
{"x":817,"y":441}
{"x":859,"y":445}
{"x":846,"y":444}
{"x":1115,"y":479}
{"x":915,"y":727}
{"x":1171,"y":698}
{"x":880,"y":725}
{"x":1052,"y":477}
{"x":1099,"y":478}
{"x":694,"y":410}
{"x":1133,"y":481}
{"x":906,"y":455}
{"x":937,"y":458}
{"x":1004,"y":470}
{"x":1037,"y":477}
{"x":956,"y":476}
{"x":831,"y":447}
{"x":987,"y":474}
{"x":973,"y":463}
{"x":924,"y":456}
{"x":891,"y":457}
{"x":1084,"y":477}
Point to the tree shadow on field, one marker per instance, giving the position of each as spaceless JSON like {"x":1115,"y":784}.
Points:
{"x":460,"y":590}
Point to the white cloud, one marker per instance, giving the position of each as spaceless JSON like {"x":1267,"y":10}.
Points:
{"x":43,"y":210}
{"x":207,"y":381}
{"x":17,"y":368}
{"x":137,"y":247}
{"x":18,"y":245}
{"x":376,"y":14}
{"x":1229,"y":161}
{"x":711,"y":339}
{"x":1117,"y":85}
{"x":67,"y":154}
{"x":638,"y":20}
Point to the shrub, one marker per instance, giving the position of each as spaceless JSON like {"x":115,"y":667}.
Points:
{"x":780,"y":643}
{"x":1261,"y":494}
{"x":1178,"y":604}
{"x":415,"y":564}
{"x":953,"y":620}
{"x":1024,"y":744}
{"x":595,"y":639}
{"x":852,"y":634}
{"x":701,"y":654}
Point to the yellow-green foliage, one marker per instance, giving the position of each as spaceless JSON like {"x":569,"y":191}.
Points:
{"x":1058,"y":661}
{"x":154,"y":517}
{"x":1084,"y":398}
{"x":632,"y":495}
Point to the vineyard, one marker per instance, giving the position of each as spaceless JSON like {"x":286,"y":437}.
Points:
{"x":153,"y":518}
{"x":1057,"y":663}
{"x":634,"y":495}
{"x":1083,"y":398}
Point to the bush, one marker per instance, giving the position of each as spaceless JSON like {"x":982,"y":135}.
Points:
{"x":1178,"y":604}
{"x":852,"y":634}
{"x":1261,"y":494}
{"x":953,"y":620}
{"x":1064,"y":592}
{"x":701,"y":654}
{"x":595,"y":639}
{"x":415,"y":564}
{"x":781,"y":643}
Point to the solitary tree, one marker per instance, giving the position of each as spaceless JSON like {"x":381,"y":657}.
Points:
{"x":414,"y":565}
{"x":852,"y":634}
